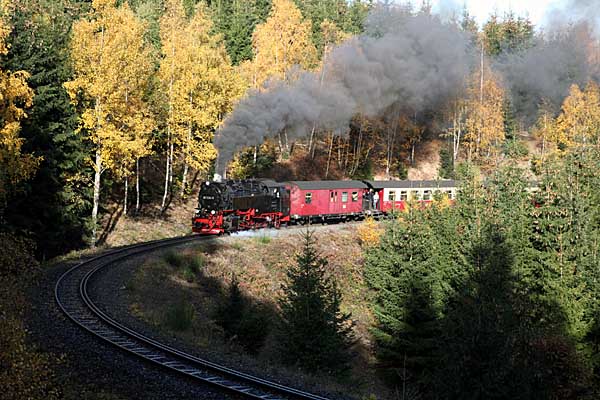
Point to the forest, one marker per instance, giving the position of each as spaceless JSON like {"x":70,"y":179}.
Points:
{"x":132,"y":103}
{"x":119,"y":102}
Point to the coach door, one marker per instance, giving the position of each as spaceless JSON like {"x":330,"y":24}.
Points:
{"x":334,"y":202}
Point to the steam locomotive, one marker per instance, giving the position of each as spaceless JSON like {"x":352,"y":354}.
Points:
{"x":258,"y":203}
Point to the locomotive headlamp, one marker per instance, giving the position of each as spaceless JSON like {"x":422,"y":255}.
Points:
{"x":213,"y":212}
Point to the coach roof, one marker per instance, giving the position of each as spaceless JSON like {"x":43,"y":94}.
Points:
{"x":411,"y":184}
{"x":324,"y":185}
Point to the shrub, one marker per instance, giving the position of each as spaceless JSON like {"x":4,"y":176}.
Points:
{"x":197,"y":263}
{"x":188,"y":274}
{"x":446,"y":165}
{"x":173,"y":258}
{"x":179,"y":316}
{"x":515,"y":148}
{"x":369,"y":232}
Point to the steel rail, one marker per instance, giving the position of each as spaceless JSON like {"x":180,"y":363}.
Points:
{"x":72,"y":296}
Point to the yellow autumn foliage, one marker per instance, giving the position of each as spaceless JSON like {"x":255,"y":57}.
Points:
{"x":112,"y":67}
{"x":282,"y":41}
{"x":579,"y":121}
{"x":369,"y":232}
{"x":15,"y":97}
{"x":485,"y":122}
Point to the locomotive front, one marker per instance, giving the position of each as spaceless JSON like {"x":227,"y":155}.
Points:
{"x":236,"y":205}
{"x":213,"y":199}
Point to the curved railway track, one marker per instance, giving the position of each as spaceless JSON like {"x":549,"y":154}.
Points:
{"x":71,"y":295}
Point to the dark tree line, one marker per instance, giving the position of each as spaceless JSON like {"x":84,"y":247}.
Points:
{"x":496,"y":296}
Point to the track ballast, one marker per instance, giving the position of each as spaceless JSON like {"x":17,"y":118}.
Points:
{"x":71,"y":295}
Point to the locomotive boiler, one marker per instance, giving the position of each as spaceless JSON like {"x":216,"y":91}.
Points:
{"x":239,"y":205}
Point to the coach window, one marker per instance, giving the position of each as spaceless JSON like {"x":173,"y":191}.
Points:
{"x":449,"y":193}
{"x":392,"y":196}
{"x":427,"y":195}
{"x":354,"y":197}
{"x":403,"y":195}
{"x":344,"y":197}
{"x":414,"y":195}
{"x":308,"y":198}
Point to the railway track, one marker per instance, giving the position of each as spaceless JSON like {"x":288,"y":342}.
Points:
{"x":71,"y":295}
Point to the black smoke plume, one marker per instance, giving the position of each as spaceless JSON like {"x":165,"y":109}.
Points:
{"x":415,"y":61}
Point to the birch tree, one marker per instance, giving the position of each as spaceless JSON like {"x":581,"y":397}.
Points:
{"x":110,"y":64}
{"x":199,"y":87}
{"x":485,"y":121}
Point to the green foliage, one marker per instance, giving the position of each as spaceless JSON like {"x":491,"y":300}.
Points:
{"x":189,"y":274}
{"x":56,"y":203}
{"x":235,"y":20}
{"x":197,"y":263}
{"x":246,"y":166}
{"x":515,"y":148}
{"x":179,"y":316}
{"x":264,"y":239}
{"x":446,"y":170}
{"x":508,"y":34}
{"x":314,"y":334}
{"x":472,"y":300}
{"x":242,"y":321}
{"x":174,"y":258}
{"x":364,"y":170}
{"x":318,"y":11}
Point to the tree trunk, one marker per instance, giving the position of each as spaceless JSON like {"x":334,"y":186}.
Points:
{"x":187,"y":153}
{"x":137,"y":185}
{"x":168,"y":165}
{"x":310,"y":141}
{"x":126,"y":195}
{"x":329,"y":156}
{"x":97,"y":173}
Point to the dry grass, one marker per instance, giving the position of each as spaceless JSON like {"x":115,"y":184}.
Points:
{"x":260,"y":266}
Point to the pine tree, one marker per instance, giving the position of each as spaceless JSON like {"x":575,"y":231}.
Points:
{"x":406,"y":274}
{"x":315,"y":334}
{"x":16,"y":166}
{"x":60,"y":186}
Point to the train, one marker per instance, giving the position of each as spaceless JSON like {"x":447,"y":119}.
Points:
{"x":236,"y":205}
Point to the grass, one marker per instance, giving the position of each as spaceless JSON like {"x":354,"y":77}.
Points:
{"x":237,"y":245}
{"x":197,"y":263}
{"x":189,"y":274}
{"x":174,"y":259}
{"x":179,"y":316}
{"x":264,"y":239}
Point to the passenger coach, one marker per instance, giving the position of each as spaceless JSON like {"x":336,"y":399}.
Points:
{"x":328,"y":200}
{"x":395,"y":194}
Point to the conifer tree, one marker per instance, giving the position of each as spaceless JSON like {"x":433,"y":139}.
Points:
{"x":407,"y":275}
{"x":315,"y":333}
{"x":16,"y":96}
{"x":60,"y":186}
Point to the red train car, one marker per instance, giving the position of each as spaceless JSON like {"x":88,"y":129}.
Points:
{"x":393,"y":195}
{"x":328,"y":200}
